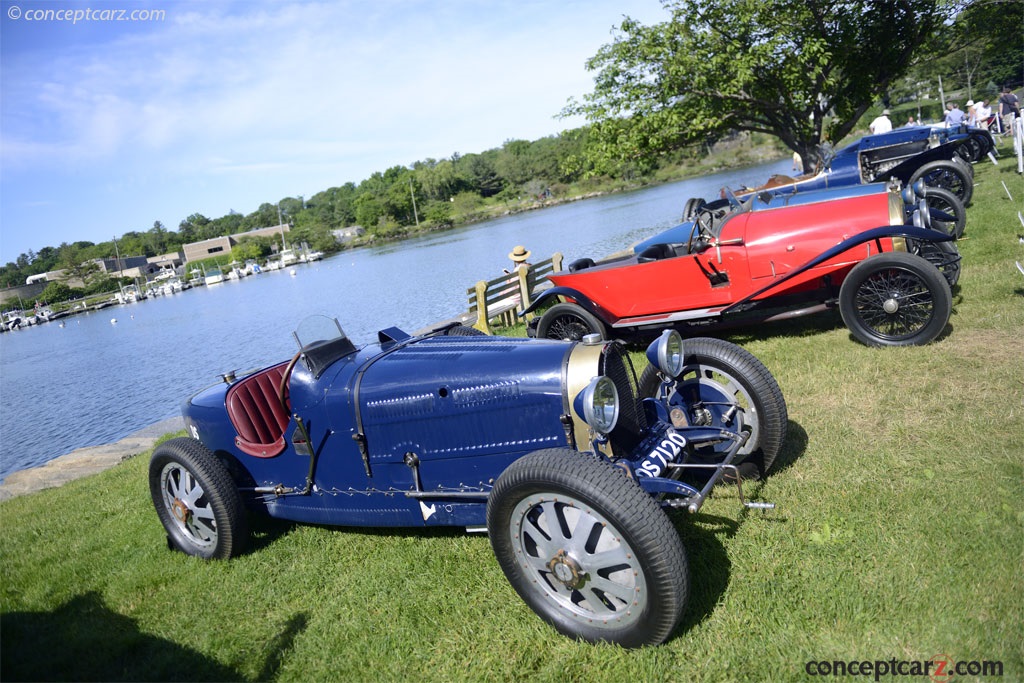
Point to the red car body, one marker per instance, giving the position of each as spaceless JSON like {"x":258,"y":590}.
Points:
{"x":758,"y":260}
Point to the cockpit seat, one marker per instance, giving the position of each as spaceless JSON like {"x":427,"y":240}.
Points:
{"x":657,"y":252}
{"x":257,"y":414}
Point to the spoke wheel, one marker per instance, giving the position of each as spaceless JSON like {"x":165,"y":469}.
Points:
{"x":943,"y":255}
{"x":895,"y":299}
{"x":587,"y":549}
{"x":569,"y":321}
{"x":948,"y":175}
{"x":717,"y":375}
{"x":196,"y":500}
{"x":947,"y":212}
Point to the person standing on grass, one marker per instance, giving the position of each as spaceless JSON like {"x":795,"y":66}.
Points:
{"x":882,"y":124}
{"x":954,"y":115}
{"x":1009,"y":108}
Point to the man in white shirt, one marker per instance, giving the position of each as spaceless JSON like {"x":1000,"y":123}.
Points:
{"x":983,"y":113}
{"x":882,"y":124}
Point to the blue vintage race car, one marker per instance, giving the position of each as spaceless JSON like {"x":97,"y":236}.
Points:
{"x":940,"y":157}
{"x":547,"y":445}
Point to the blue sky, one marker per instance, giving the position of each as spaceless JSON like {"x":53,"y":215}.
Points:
{"x":109,"y":125}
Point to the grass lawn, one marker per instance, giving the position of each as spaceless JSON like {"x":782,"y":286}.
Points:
{"x":899,"y":535}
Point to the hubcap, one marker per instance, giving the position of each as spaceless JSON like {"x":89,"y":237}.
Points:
{"x":566,"y":570}
{"x":180,"y":510}
{"x":891,"y":306}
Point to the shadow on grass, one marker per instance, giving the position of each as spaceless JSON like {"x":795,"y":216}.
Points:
{"x":702,"y":536}
{"x":793,"y":448}
{"x":709,"y":563}
{"x":84,"y":640}
{"x":805,"y":326}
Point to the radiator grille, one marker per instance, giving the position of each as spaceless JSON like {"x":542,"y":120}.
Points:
{"x":632,"y":424}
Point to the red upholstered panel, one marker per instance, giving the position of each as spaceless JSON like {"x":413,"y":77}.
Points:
{"x":257,"y":414}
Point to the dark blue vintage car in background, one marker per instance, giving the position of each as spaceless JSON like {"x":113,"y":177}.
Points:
{"x":940,"y":157}
{"x":556,"y":449}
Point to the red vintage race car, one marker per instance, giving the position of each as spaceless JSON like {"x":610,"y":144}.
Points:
{"x":868,"y":250}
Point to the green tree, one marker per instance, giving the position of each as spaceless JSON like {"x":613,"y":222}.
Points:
{"x":799,"y":70}
{"x":157,"y":239}
{"x":982,"y":49}
{"x":252,"y":248}
{"x":59,"y":291}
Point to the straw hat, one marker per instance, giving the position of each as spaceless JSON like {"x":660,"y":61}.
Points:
{"x":519,"y":254}
{"x":970,"y":103}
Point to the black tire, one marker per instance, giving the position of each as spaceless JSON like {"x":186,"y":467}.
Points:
{"x":947,"y":175}
{"x":971,"y":149}
{"x":717,"y":369}
{"x":895,"y":299}
{"x":947,"y":212}
{"x":690,"y":209}
{"x":569,"y":321}
{"x":943,"y":255}
{"x":196,"y":500}
{"x":587,"y":549}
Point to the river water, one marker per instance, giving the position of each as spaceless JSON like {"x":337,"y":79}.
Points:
{"x":95,"y":381}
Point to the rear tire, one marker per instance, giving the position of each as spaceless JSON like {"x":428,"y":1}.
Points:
{"x":692,"y":206}
{"x":569,"y":321}
{"x":587,"y":549}
{"x":196,"y":500}
{"x":895,"y":299}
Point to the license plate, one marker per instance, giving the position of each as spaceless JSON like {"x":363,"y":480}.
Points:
{"x":667,"y":450}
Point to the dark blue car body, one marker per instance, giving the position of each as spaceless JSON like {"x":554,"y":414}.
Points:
{"x":556,"y":449}
{"x":904,"y":154}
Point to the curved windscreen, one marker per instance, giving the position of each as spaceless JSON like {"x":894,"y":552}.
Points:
{"x":321,"y":342}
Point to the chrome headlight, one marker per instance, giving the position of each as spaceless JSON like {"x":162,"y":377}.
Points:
{"x":666,"y":353}
{"x":598,"y":403}
{"x":926,"y":215}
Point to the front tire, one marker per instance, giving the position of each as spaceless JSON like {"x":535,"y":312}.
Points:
{"x":587,"y":549}
{"x":569,"y":321}
{"x":947,"y":212}
{"x":196,"y":500}
{"x":947,"y":175}
{"x":895,"y":299}
{"x":718,"y":372}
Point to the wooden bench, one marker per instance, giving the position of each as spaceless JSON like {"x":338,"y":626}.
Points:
{"x":500,"y":299}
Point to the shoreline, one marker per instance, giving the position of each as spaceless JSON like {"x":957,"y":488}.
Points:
{"x":85,"y":461}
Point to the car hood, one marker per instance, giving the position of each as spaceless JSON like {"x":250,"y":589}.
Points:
{"x":443,"y":397}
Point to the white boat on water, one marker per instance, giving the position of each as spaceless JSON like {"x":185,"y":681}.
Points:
{"x":310,"y":256}
{"x":288,"y":258}
{"x":213,"y":276}
{"x":171,"y":286}
{"x":15,"y":319}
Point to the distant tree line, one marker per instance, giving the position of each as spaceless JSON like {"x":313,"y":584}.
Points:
{"x":430,"y":193}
